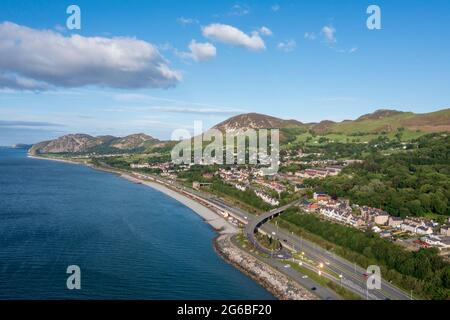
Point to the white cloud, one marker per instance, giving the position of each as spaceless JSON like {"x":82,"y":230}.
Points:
{"x":199,"y":51}
{"x":239,"y":10}
{"x":353,"y":49}
{"x":146,"y":99}
{"x":275,"y":7}
{"x":185,"y":21}
{"x":265,"y":31}
{"x":310,"y":36}
{"x":329,"y":34}
{"x":40,"y":59}
{"x":60,"y":28}
{"x":287,"y":46}
{"x":233,"y":36}
{"x":190,"y":110}
{"x":13,"y":81}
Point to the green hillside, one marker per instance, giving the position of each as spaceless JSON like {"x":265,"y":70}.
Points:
{"x":390,"y":121}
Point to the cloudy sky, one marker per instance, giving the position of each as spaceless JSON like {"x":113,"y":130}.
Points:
{"x":156,"y":66}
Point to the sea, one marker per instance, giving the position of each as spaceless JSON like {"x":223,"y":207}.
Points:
{"x":125,"y":240}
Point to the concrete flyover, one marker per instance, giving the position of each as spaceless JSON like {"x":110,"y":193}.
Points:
{"x":252,"y":228}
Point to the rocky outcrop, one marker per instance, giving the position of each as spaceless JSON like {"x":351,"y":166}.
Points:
{"x":83,"y":143}
{"x":71,"y":143}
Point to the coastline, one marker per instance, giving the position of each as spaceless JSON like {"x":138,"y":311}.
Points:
{"x":273,"y":281}
{"x":54,"y":159}
{"x":219,"y":224}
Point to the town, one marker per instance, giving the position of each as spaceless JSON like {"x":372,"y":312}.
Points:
{"x":410,"y":232}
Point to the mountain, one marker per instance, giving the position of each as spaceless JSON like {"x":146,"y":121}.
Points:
{"x":380,"y":114}
{"x":254,"y":121}
{"x":389,"y":121}
{"x":132,"y":141}
{"x":383,"y":120}
{"x":83,"y":143}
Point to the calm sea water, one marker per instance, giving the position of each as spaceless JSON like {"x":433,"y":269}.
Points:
{"x":130,"y":241}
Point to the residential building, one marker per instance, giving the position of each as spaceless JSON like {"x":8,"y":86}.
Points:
{"x":395,"y":222}
{"x":445,"y":230}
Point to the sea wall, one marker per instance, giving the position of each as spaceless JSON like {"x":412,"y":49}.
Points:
{"x":278,"y":284}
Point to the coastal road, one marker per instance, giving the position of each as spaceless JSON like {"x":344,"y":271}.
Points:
{"x":306,"y":282}
{"x":252,"y":228}
{"x":352,"y":276}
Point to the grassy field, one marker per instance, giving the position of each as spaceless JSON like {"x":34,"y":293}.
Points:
{"x":312,"y":140}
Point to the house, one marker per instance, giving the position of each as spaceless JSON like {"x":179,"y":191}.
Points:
{"x":312,"y":173}
{"x":140,"y":166}
{"x":381,"y":219}
{"x":395,"y":222}
{"x":409,"y":227}
{"x":266,"y":198}
{"x":424,"y":230}
{"x":445,"y":230}
{"x":333,"y":171}
{"x":197,"y":185}
{"x":321,"y":197}
{"x":375,"y":215}
{"x":312,"y":207}
{"x":356,"y":221}
{"x":441,"y":242}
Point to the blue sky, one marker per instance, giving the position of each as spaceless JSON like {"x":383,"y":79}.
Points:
{"x":313,"y":60}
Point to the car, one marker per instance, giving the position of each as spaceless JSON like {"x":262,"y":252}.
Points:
{"x":313,"y":288}
{"x":305,"y":277}
{"x":287,"y":266}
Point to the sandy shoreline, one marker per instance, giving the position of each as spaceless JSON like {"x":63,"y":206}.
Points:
{"x":54,"y":159}
{"x":218,"y":223}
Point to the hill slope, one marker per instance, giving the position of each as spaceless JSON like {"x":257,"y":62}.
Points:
{"x":254,"y":121}
{"x":390,"y":120}
{"x":377,"y":122}
{"x":83,"y":143}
